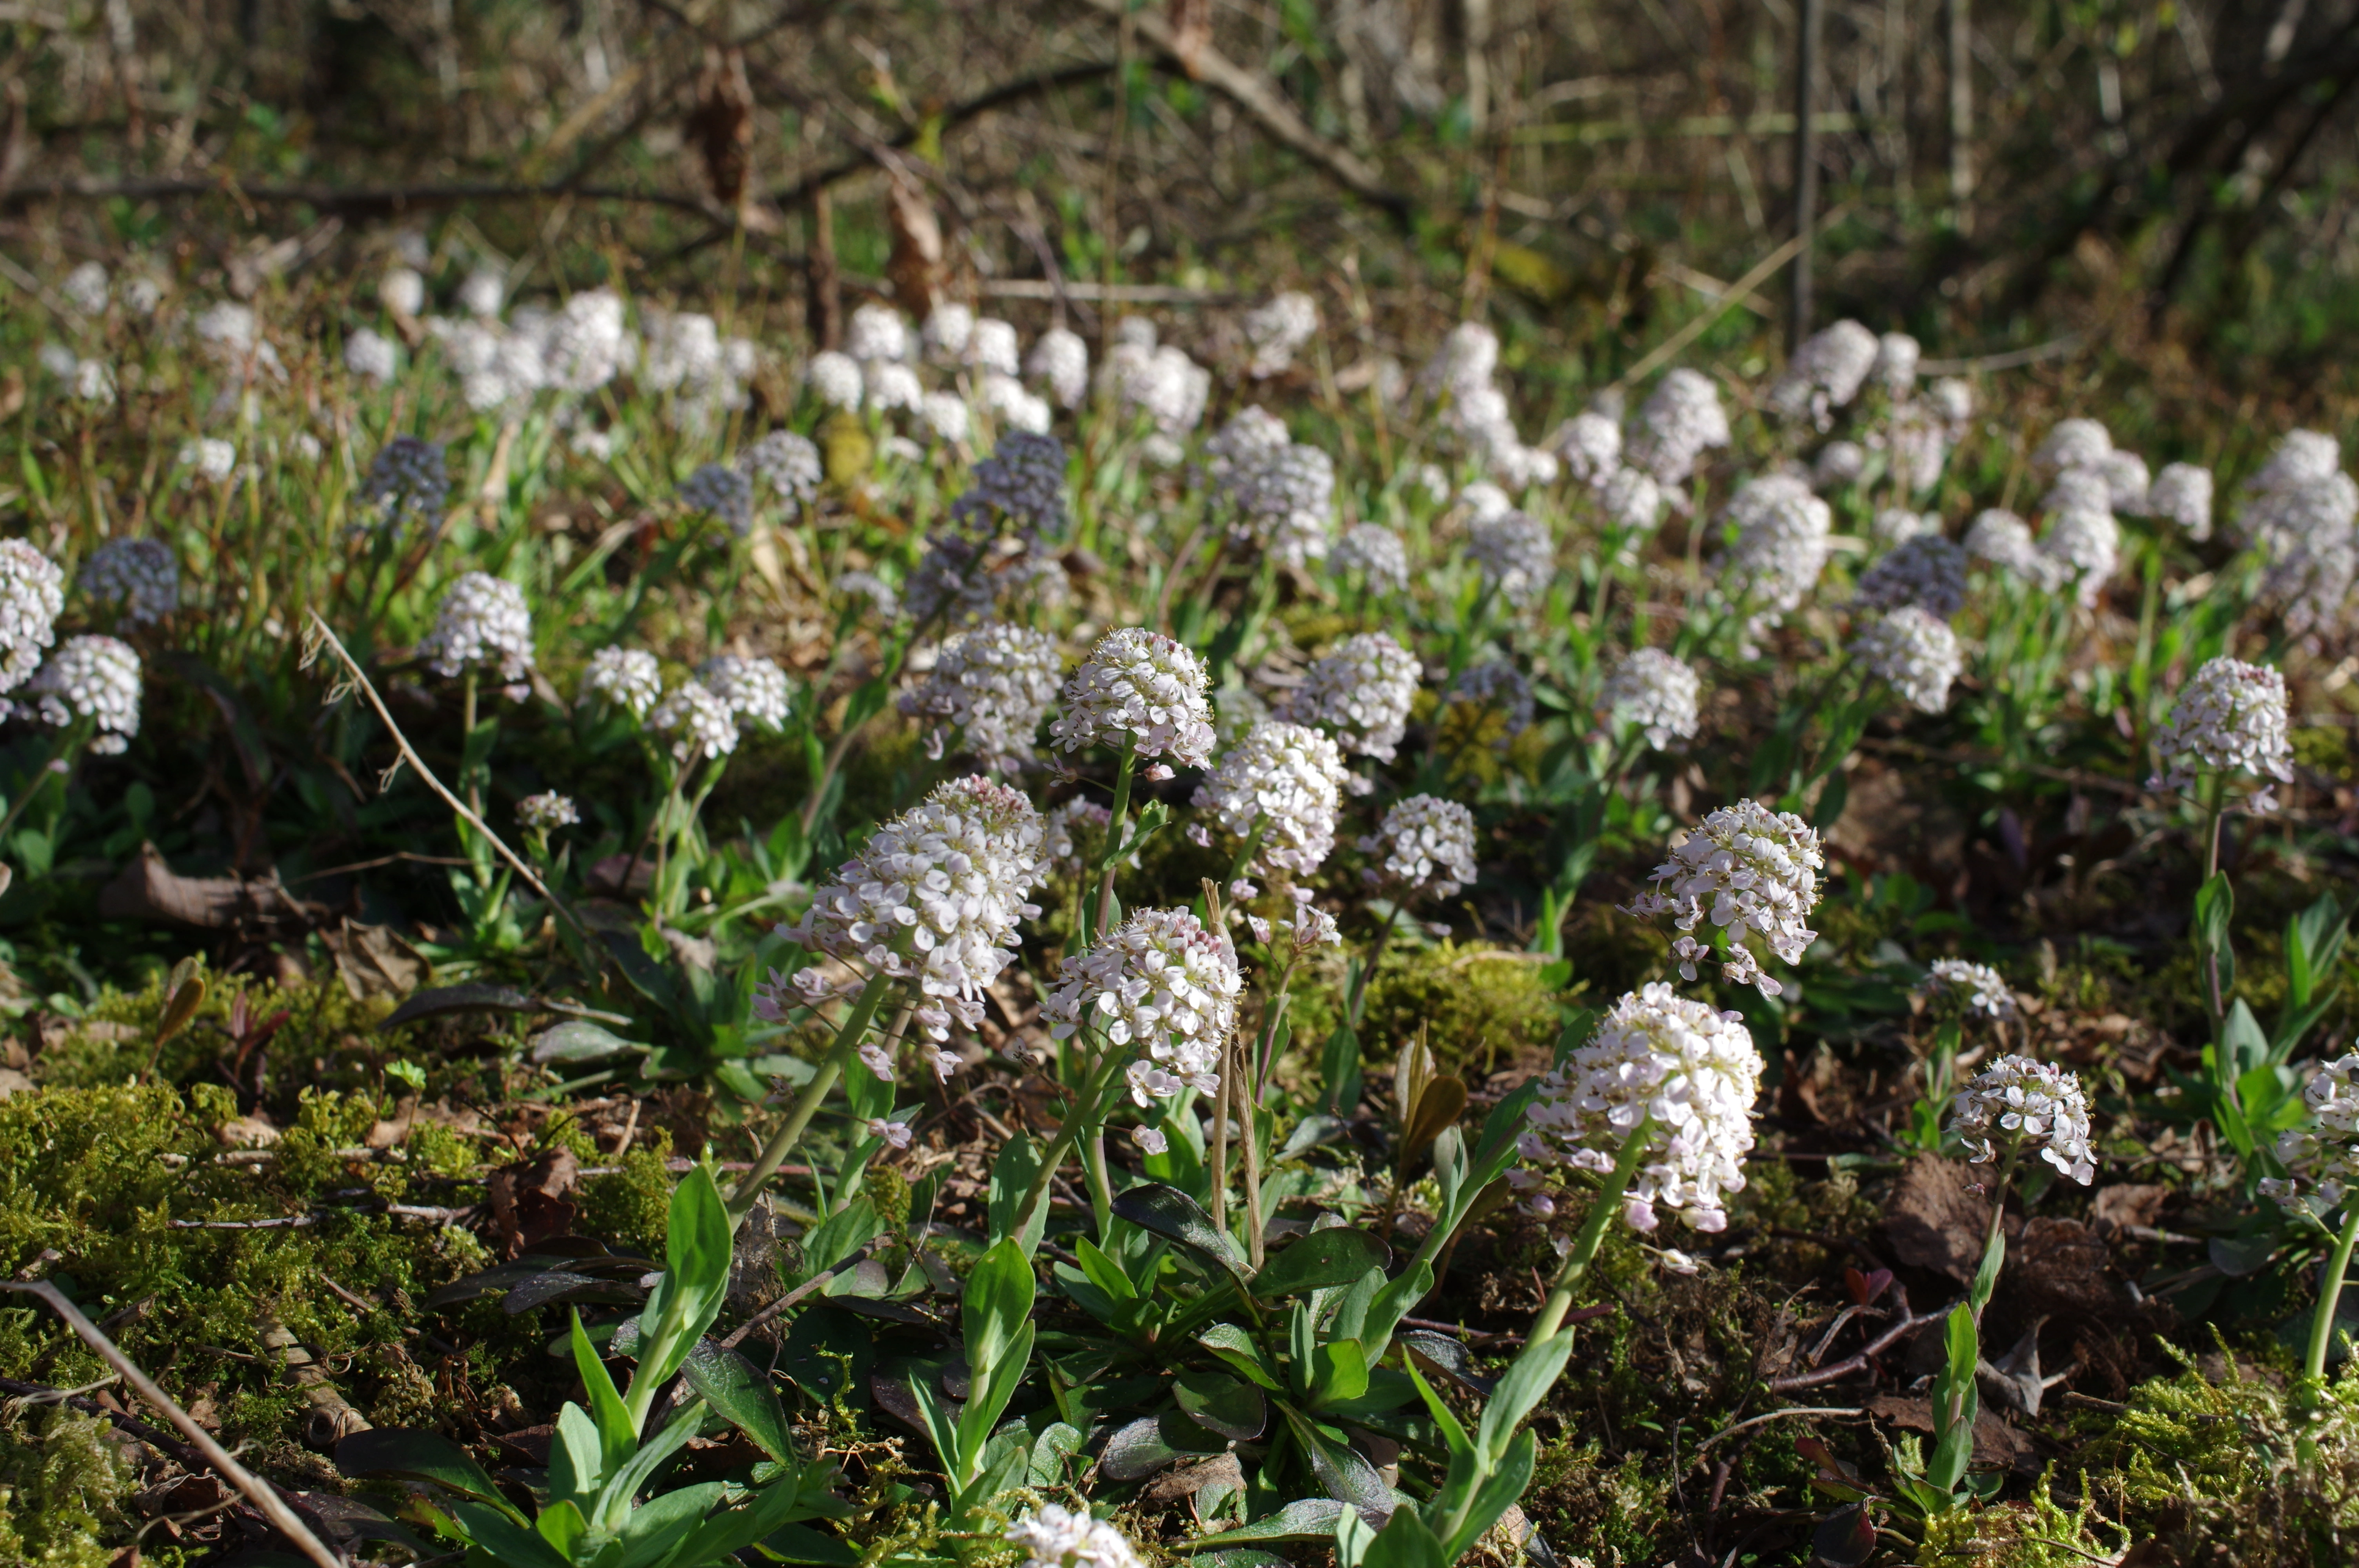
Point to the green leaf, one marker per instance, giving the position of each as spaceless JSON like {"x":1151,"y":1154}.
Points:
{"x":1498,"y":1490}
{"x":1173,"y":1214}
{"x":695,"y":1281}
{"x":938,"y":1427}
{"x":1524,"y":1383}
{"x":411,"y":1455}
{"x":614,"y":1503}
{"x":801,"y":1543}
{"x":1320,"y":1260}
{"x":509,"y":1542}
{"x":1393,"y":1302}
{"x":1447,"y":1356}
{"x":1986,"y":1279}
{"x":2240,"y":1034}
{"x":1453,"y":1432}
{"x":660,"y":1526}
{"x":1405,"y":1542}
{"x":562,"y":1525}
{"x":1339,"y":1371}
{"x":1234,"y":1409}
{"x":1305,"y":1519}
{"x":1339,"y":1071}
{"x":618,"y":1434}
{"x":1012,"y":1175}
{"x":577,"y":1464}
{"x":743,"y":1396}
{"x":995,"y":1385}
{"x":1439,"y":1105}
{"x":998,"y":1304}
{"x":1056,"y":1445}
{"x":443,"y":1000}
{"x":1103,"y":1271}
{"x":1236,"y":1346}
{"x":577,"y":1041}
{"x":1352,"y":1311}
{"x":1348,"y":1478}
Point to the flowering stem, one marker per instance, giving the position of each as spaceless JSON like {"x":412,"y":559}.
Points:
{"x":1116,"y":827}
{"x":466,"y":731}
{"x":2330,"y":1295}
{"x":1978,"y":1295}
{"x":57,"y":764}
{"x":847,"y":1041}
{"x":1591,"y":1233}
{"x":1084,"y":1111}
{"x":1249,"y":1134}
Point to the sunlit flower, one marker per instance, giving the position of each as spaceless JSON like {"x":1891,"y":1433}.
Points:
{"x":1054,"y":1538}
{"x":96,"y":678}
{"x":1275,"y":331}
{"x":1655,"y":691}
{"x":1590,"y":444}
{"x":1286,"y":780}
{"x":1680,"y":1070}
{"x":2229,"y":718}
{"x":1062,"y":360}
{"x":1375,"y":552}
{"x":992,"y":686}
{"x":371,"y":354}
{"x":2322,"y":1158}
{"x":1969,"y":987}
{"x":548,"y":812}
{"x":1826,"y":373}
{"x":876,"y":332}
{"x":1159,"y":980}
{"x":2037,"y":1103}
{"x":2182,"y":496}
{"x":1780,"y":545}
{"x":755,"y":690}
{"x":32,"y":591}
{"x":1915,"y":653}
{"x":1515,"y":553}
{"x":1142,"y":690}
{"x":1428,"y":844}
{"x":482,"y":621}
{"x":627,"y":677}
{"x":1751,"y":871}
{"x":1362,"y":690}
{"x":699,"y":720}
{"x":835,"y":379}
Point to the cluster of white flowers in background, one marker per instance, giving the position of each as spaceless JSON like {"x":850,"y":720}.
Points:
{"x":1142,"y":690}
{"x":1428,"y":844}
{"x":96,"y":678}
{"x":2002,"y":539}
{"x":1678,"y":1075}
{"x":753,"y":689}
{"x":1925,"y":570}
{"x":785,"y":464}
{"x":1063,"y":826}
{"x":1915,"y":653}
{"x":1497,"y":685}
{"x":1375,"y":552}
{"x":2229,"y":718}
{"x":1056,"y":1538}
{"x":547,"y":812}
{"x":2300,"y":517}
{"x":1060,"y":361}
{"x":1162,"y":981}
{"x":409,"y":480}
{"x":933,"y":898}
{"x":699,"y":720}
{"x":1276,"y":330}
{"x":1780,"y":545}
{"x":1287,"y":781}
{"x":1156,"y":380}
{"x":991,"y":685}
{"x":1478,"y":412}
{"x":1362,"y":689}
{"x":725,"y":495}
{"x":2322,"y":1157}
{"x":1516,"y":553}
{"x":1750,"y":871}
{"x":628,"y":677}
{"x":2037,"y":1103}
{"x":1655,"y":691}
{"x":1681,"y":421}
{"x":1826,"y":373}
{"x":482,"y":621}
{"x":140,"y":579}
{"x":1971,"y":986}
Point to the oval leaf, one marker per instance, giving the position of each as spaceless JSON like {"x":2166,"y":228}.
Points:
{"x":1440,"y":1353}
{"x":575,"y":1041}
{"x":1172,"y":1214}
{"x":743,"y":1396}
{"x":1320,"y":1260}
{"x":1306,"y":1519}
{"x":1234,"y":1409}
{"x":416,"y":1456}
{"x":444,"y":1000}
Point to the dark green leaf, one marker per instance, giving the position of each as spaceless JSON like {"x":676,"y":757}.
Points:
{"x":1012,"y":1175}
{"x":730,"y":1384}
{"x":416,"y":1456}
{"x":1322,"y":1260}
{"x":1440,"y":1353}
{"x":445,"y":999}
{"x":1233,"y":1408}
{"x":1236,"y":1346}
{"x":1306,"y":1519}
{"x":506,"y":1541}
{"x":1405,"y":1542}
{"x":564,"y":1285}
{"x":801,"y":1543}
{"x":1348,"y":1478}
{"x":1172,"y":1214}
{"x":1339,"y":1371}
{"x":577,"y":1041}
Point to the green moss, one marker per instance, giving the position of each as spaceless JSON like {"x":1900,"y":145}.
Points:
{"x":2035,"y":1533}
{"x":1614,"y":1511}
{"x":324,"y":1025}
{"x":628,"y":1208}
{"x":1479,"y":1007}
{"x":62,"y":1483}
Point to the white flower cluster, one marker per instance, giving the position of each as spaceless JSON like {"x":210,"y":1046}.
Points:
{"x":1916,"y":436}
{"x":212,"y":458}
{"x":2180,"y":495}
{"x":1276,"y":330}
{"x":705,"y":373}
{"x":835,"y":379}
{"x":580,"y":349}
{"x":1751,"y":871}
{"x":1161,"y":980}
{"x":699,"y":720}
{"x":408,"y":482}
{"x":547,"y":812}
{"x":138,"y":579}
{"x":1362,"y":689}
{"x":1497,"y":685}
{"x":1376,"y":553}
{"x":1427,"y":844}
{"x":1681,"y":421}
{"x":2001,"y":539}
{"x":1284,"y":491}
{"x":628,"y":677}
{"x":1826,"y":373}
{"x":1633,"y":502}
{"x":1780,"y":545}
{"x":721,"y":493}
{"x":1515,"y":553}
{"x":1655,"y":691}
{"x":1839,"y":463}
{"x":1055,"y":1537}
{"x":933,"y":898}
{"x":1287,"y":780}
{"x":1589,"y":445}
{"x":96,"y":678}
{"x":370,"y":354}
{"x":1478,"y":412}
{"x":1915,"y":653}
{"x":2229,"y":718}
{"x":1160,"y":382}
{"x":1060,"y":361}
{"x":754,"y":690}
{"x":991,"y":685}
{"x":483,"y":621}
{"x":2299,"y":517}
{"x":85,"y":289}
{"x":1925,"y":570}
{"x":2323,"y":1157}
{"x":785,"y":464}
{"x":2082,"y":541}
{"x":1971,"y":986}
{"x":1142,"y":690}
{"x":1023,"y":482}
{"x":2017,"y":1098}
{"x":1685,"y":1073}
{"x":1062,"y":828}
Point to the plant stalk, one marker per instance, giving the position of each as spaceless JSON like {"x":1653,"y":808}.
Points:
{"x":807,"y":1104}
{"x":1591,"y":1233}
{"x":2330,"y":1295}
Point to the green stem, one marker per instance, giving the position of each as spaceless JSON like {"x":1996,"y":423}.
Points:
{"x":60,"y":750}
{"x":1084,"y":1111}
{"x":1985,"y":1279}
{"x":467,"y":731}
{"x":1116,"y":827}
{"x":2330,"y":1294}
{"x":807,"y":1104}
{"x":1591,"y":1233}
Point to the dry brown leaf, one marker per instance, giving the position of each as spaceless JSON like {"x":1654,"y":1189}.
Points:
{"x":1935,"y":1220}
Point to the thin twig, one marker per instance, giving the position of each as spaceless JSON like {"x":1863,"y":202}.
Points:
{"x":1777,"y":1415}
{"x":258,"y":1491}
{"x":355,"y":679}
{"x":770,"y":1312}
{"x":1725,"y":303}
{"x":1909,"y":1321}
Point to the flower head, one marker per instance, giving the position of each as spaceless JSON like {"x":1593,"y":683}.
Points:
{"x":2073,"y":444}
{"x":1969,"y":987}
{"x":1497,"y":685}
{"x":1141,"y":689}
{"x":2084,"y":544}
{"x":548,"y":812}
{"x":1361,"y":689}
{"x":721,"y":493}
{"x":139,"y":577}
{"x":96,"y":678}
{"x":1655,"y":691}
{"x":1681,"y":420}
{"x":1517,"y":555}
{"x":1685,"y":1073}
{"x":755,"y":690}
{"x":2035,"y":1102}
{"x":1060,"y":359}
{"x":991,"y":685}
{"x":2004,"y":540}
{"x":1754,"y":872}
{"x":1276,"y":330}
{"x":627,"y":677}
{"x":1825,"y":374}
{"x":1161,"y":980}
{"x":2182,"y":496}
{"x":2230,"y":718}
{"x":876,"y":332}
{"x":2322,"y":1157}
{"x":1914,"y":652}
{"x":786,"y":465}
{"x":1428,"y":844}
{"x":1590,"y":445}
{"x":1023,"y":482}
{"x":1064,"y":828}
{"x":408,"y":482}
{"x":934,"y":897}
{"x":1375,"y":552}
{"x":483,"y":621}
{"x":1780,"y":545}
{"x":1925,"y":570}
{"x":1055,"y":1537}
{"x":699,"y":722}
{"x":835,"y":379}
{"x":370,"y":354}
{"x":1286,"y":778}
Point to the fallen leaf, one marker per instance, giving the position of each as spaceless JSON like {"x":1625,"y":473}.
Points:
{"x":1933,"y":1219}
{"x":2130,"y":1204}
{"x":2061,"y":1266}
{"x":1996,"y":1443}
